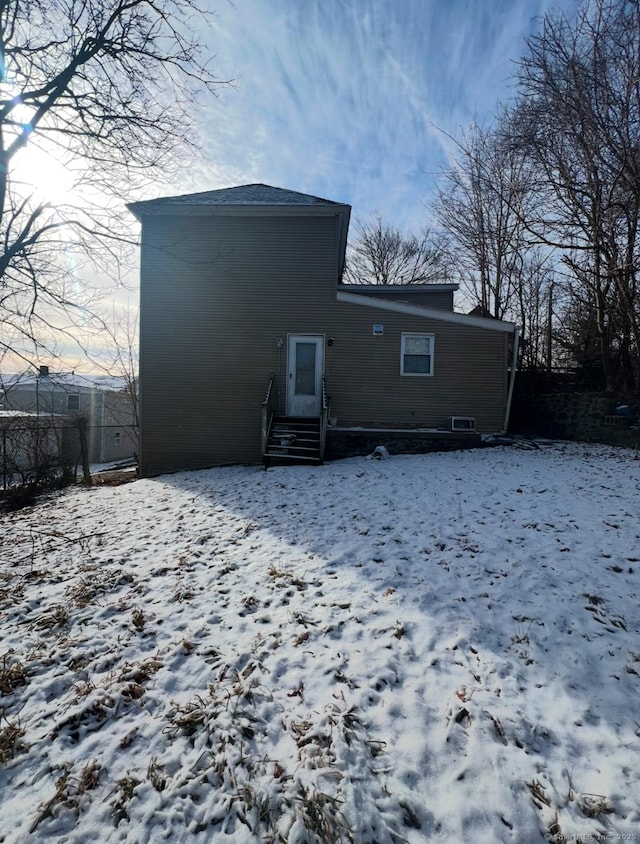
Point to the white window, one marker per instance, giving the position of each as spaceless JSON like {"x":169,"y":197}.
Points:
{"x":116,"y":438}
{"x":416,"y":354}
{"x":73,"y":402}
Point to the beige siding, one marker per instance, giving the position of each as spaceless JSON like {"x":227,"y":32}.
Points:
{"x":218,"y":293}
{"x":214,"y":291}
{"x":469,"y":374}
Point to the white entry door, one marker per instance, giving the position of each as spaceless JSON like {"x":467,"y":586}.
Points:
{"x":304,"y":375}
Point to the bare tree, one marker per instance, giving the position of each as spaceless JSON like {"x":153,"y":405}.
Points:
{"x":535,"y":298}
{"x":480,"y":205}
{"x":104,"y":89}
{"x":382,"y":254}
{"x":578,"y":122}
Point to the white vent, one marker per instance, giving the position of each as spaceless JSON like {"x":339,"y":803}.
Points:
{"x":462,"y":423}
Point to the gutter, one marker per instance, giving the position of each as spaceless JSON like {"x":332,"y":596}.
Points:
{"x":514,"y":363}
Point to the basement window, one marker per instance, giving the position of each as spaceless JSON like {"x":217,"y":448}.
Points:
{"x":73,"y":402}
{"x":416,"y":354}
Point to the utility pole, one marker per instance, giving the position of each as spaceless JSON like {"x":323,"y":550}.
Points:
{"x":549,"y":328}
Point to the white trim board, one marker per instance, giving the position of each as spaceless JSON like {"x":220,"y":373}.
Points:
{"x":431,"y":313}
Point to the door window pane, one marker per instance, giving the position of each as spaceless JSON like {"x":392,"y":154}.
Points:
{"x":305,"y":369}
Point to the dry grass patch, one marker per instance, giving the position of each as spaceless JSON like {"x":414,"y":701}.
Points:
{"x":594,"y":805}
{"x":142,"y":672}
{"x":124,"y":792}
{"x":83,"y":593}
{"x":138,"y":619}
{"x":10,"y":739}
{"x":284,"y":578}
{"x":57,"y":616}
{"x":12,"y":674}
{"x":69,"y":790}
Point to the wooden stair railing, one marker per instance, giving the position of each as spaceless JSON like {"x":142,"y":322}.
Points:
{"x":293,"y":438}
{"x":267,"y":413}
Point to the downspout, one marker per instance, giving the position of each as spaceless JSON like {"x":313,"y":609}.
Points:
{"x":102,"y":435}
{"x":514,"y":364}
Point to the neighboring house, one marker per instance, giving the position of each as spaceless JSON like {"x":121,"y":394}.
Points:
{"x":102,"y":402}
{"x":247,"y":336}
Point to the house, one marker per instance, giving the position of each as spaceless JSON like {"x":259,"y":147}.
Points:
{"x":103,"y":402}
{"x":250,"y":346}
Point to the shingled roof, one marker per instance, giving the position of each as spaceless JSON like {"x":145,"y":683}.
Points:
{"x":246,"y":195}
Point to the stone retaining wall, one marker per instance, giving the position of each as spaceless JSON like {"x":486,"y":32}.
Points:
{"x":574,"y":416}
{"x":341,"y":443}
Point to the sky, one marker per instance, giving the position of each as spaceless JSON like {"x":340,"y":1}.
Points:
{"x":356,"y":101}
{"x":353,"y":100}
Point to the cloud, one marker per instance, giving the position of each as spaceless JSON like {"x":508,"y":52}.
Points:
{"x":346,"y":98}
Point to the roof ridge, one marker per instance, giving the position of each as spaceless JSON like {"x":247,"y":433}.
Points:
{"x":255,"y":193}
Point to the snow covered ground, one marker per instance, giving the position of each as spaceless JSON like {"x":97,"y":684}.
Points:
{"x":441,"y":648}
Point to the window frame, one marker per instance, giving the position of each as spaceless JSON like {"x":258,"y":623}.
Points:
{"x":75,"y":396}
{"x":117,"y":438}
{"x":422,"y":334}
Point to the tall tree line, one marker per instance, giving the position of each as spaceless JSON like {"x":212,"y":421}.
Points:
{"x":541,"y":211}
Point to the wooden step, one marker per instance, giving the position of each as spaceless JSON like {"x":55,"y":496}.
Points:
{"x":284,"y":443}
{"x":294,"y":438}
{"x":305,"y":445}
{"x":303,"y":453}
{"x":292,"y":455}
{"x":302,"y":458}
{"x":280,"y":446}
{"x":283,"y":430}
{"x":309,"y":420}
{"x":281,"y":426}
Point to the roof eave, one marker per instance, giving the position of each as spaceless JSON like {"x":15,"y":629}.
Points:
{"x":430,"y":313}
{"x":160,"y":208}
{"x":432,"y":287}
